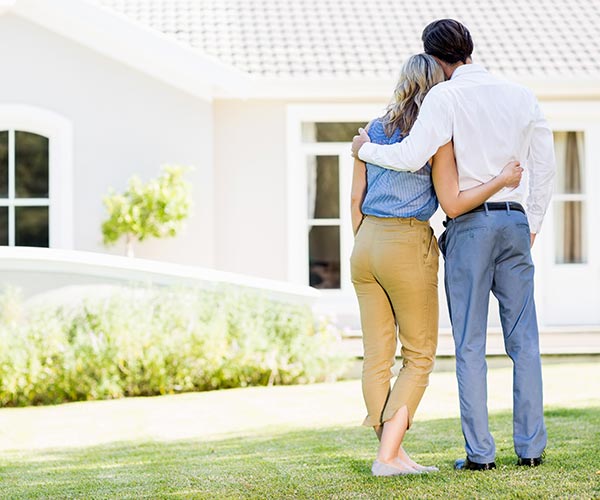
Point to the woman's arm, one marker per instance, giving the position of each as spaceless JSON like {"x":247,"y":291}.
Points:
{"x":456,"y":202}
{"x":359,"y":189}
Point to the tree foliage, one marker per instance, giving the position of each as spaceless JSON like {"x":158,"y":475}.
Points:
{"x":155,"y":209}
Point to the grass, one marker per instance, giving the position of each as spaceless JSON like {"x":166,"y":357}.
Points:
{"x":221,"y":445}
{"x":311,"y":464}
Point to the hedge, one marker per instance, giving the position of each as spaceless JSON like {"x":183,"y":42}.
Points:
{"x":151,"y":341}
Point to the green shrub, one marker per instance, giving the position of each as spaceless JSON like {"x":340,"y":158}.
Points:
{"x":142,"y":342}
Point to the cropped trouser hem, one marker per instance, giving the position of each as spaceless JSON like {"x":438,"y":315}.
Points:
{"x":410,"y":401}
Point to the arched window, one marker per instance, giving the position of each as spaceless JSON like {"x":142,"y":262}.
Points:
{"x":24,"y":189}
{"x":35,"y":178}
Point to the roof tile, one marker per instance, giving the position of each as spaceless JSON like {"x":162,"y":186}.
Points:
{"x":351,"y":38}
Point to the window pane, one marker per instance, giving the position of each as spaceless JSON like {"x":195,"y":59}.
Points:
{"x":337,"y":132}
{"x":31,"y":165}
{"x":324,"y":256}
{"x":4,"y":226}
{"x":323,"y":187}
{"x":4,"y":164}
{"x":569,"y":149}
{"x":31,"y":226}
{"x":330,"y":132}
{"x":570,"y":243}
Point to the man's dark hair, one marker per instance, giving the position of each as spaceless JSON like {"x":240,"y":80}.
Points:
{"x":448,"y":40}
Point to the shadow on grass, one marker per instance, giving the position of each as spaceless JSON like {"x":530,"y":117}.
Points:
{"x":326,"y":463}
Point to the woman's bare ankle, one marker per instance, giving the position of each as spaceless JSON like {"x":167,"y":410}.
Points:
{"x":404,"y":457}
{"x":385,"y":459}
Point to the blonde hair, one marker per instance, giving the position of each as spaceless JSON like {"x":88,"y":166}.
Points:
{"x":418,"y":74}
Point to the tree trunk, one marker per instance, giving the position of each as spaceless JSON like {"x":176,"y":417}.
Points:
{"x":129,"y":245}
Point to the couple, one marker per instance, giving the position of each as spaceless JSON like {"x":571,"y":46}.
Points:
{"x":450,"y":139}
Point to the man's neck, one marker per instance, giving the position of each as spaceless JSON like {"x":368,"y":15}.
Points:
{"x":449,"y":69}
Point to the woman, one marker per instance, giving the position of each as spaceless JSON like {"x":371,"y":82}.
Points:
{"x":395,"y":263}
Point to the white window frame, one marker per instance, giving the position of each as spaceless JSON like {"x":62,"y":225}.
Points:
{"x":553,"y":278}
{"x":59,"y":132}
{"x":339,"y":150}
{"x":297,"y":209}
{"x":577,"y":117}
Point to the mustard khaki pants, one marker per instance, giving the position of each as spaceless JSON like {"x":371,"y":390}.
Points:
{"x":394,"y":271}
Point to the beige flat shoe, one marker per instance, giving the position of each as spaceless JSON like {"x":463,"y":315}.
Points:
{"x":380,"y":469}
{"x":427,"y":468}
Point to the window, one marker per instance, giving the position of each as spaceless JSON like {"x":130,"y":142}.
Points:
{"x":570,"y":243}
{"x":36,"y":177}
{"x":324,"y":221}
{"x":330,"y":132}
{"x":319,"y":179}
{"x":328,"y":176}
{"x":24,"y":189}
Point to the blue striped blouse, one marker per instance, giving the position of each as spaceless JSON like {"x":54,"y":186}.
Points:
{"x":397,"y":194}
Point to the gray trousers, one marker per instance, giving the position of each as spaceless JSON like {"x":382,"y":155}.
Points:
{"x":490,"y":251}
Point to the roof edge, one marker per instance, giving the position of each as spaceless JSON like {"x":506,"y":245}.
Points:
{"x":577,"y":88}
{"x":116,"y":36}
{"x":381,"y":88}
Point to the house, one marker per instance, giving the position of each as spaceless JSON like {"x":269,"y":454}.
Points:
{"x":262,"y":97}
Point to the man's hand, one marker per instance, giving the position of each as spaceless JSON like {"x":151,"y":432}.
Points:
{"x":532,"y":236}
{"x":358,"y":141}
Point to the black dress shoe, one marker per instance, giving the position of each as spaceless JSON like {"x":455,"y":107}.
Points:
{"x":466,"y":464}
{"x":530,"y":462}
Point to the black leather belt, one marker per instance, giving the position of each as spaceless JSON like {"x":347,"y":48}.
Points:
{"x":498,"y":205}
{"x":494,"y":205}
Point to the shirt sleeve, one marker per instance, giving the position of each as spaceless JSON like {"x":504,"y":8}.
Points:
{"x":432,"y":129}
{"x":542,"y":168}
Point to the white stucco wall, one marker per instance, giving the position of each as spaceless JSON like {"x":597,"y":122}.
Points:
{"x":124,"y":122}
{"x":252,"y":209}
{"x":250,"y":187}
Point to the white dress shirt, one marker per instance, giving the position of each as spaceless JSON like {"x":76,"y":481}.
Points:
{"x":491,"y":121}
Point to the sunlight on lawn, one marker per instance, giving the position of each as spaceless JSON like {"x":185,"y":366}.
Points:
{"x":218,"y":414}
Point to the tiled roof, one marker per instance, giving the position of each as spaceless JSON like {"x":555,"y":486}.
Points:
{"x":369,"y":39}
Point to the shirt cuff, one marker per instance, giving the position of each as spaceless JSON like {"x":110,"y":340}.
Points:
{"x":535,"y":223}
{"x":366,"y":152}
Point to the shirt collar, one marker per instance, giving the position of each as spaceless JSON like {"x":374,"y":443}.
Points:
{"x":466,"y":69}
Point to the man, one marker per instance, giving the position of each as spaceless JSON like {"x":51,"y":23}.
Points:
{"x":490,"y":121}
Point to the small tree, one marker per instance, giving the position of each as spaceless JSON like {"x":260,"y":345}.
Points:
{"x":156,"y":209}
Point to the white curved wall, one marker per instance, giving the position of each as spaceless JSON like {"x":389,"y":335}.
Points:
{"x":40,"y":270}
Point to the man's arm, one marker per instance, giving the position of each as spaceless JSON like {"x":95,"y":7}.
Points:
{"x":542,"y":167}
{"x":432,"y":130}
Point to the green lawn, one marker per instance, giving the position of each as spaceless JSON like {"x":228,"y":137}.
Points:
{"x":328,"y":463}
{"x":66,"y":451}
